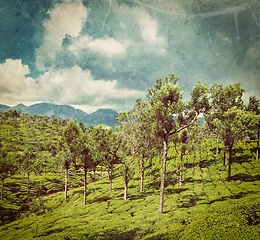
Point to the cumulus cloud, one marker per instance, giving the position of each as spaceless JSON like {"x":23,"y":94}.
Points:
{"x":15,"y":86}
{"x":74,"y":86}
{"x":108,"y":47}
{"x":66,"y":86}
{"x":129,"y":47}
{"x":149,"y":28}
{"x":65,"y":19}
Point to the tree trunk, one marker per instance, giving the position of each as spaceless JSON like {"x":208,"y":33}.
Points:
{"x":125,"y":193}
{"x":101,"y":172}
{"x":193,"y":164}
{"x":85,"y":185}
{"x":36,"y":230}
{"x":142,"y":175}
{"x":2,"y":190}
{"x":28,"y":178}
{"x":126,"y":181}
{"x":150,"y":170}
{"x":224,"y":157}
{"x":66,"y":183}
{"x":229,"y":163}
{"x":138,"y":165}
{"x":94,"y":176}
{"x":165,"y":146}
{"x":257,"y":147}
{"x":256,"y":158}
{"x":110,"y":178}
{"x":217,"y":146}
{"x":183,"y":159}
{"x":181,"y":169}
{"x":180,"y":177}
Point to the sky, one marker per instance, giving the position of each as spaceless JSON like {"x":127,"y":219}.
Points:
{"x":94,"y":54}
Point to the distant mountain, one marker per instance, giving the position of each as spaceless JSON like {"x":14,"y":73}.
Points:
{"x":103,"y":115}
{"x":4,"y":108}
{"x":106,"y":117}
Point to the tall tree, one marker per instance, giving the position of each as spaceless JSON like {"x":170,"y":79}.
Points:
{"x":130,"y":126}
{"x":8,"y":165}
{"x":166,"y":102}
{"x":226,"y":115}
{"x":254,"y":107}
{"x":70,"y":147}
{"x":27,"y":162}
{"x":107,"y":144}
{"x":181,"y":139}
{"x":135,"y":128}
{"x":85,"y":157}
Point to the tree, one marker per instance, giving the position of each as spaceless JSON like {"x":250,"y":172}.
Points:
{"x":28,"y":162}
{"x":166,"y":102}
{"x":136,"y":131}
{"x":254,"y":108}
{"x":42,"y":161}
{"x":130,"y":127}
{"x":227,"y":115}
{"x":181,"y":139}
{"x":85,"y":157}
{"x":69,"y":147}
{"x":8,"y":165}
{"x":196,"y":136}
{"x":107,"y":144}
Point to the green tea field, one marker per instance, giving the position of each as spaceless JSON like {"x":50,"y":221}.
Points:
{"x":204,"y":206}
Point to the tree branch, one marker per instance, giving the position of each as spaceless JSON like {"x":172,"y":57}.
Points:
{"x":180,"y":129}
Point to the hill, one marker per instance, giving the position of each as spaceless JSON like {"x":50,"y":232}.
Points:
{"x":205,"y":206}
{"x":106,"y":117}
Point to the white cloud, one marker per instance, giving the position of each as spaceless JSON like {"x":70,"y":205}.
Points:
{"x":154,"y":44}
{"x":14,"y":85}
{"x":65,"y":18}
{"x":149,"y":31}
{"x":75,"y":86}
{"x":107,"y":46}
{"x":65,"y":86}
{"x":149,"y":28}
{"x":139,"y":31}
{"x":77,"y":44}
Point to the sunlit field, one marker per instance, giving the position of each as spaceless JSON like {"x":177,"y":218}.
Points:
{"x":205,"y":206}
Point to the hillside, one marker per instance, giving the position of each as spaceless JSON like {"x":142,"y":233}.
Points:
{"x":205,"y":206}
{"x":106,"y":117}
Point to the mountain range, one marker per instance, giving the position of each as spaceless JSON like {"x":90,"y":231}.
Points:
{"x":106,"y":117}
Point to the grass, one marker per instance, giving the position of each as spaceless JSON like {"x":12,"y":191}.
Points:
{"x":205,"y":206}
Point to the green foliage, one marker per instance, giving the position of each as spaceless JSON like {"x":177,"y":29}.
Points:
{"x":204,"y":206}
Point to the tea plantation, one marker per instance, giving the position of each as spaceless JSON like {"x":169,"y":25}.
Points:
{"x":204,"y":206}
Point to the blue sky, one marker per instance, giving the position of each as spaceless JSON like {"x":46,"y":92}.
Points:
{"x":106,"y":53}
